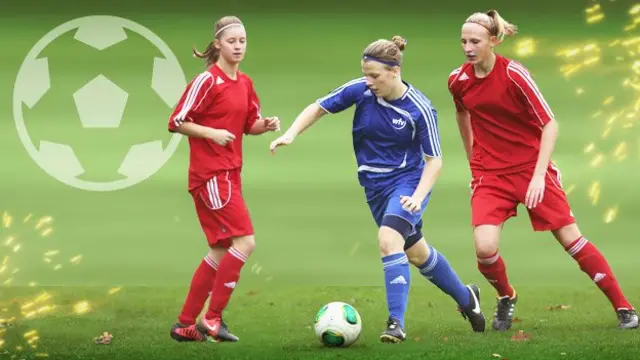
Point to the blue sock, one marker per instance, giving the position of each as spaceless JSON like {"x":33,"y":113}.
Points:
{"x":396,"y":279}
{"x":437,"y":270}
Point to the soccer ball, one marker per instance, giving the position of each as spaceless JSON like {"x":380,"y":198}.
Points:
{"x":99,"y":103}
{"x":338,"y":324}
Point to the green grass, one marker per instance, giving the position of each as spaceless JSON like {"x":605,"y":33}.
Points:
{"x":276,"y":323}
{"x":316,"y":238}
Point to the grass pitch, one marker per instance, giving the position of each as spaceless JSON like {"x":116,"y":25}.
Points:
{"x":316,"y":239}
{"x":277,"y":324}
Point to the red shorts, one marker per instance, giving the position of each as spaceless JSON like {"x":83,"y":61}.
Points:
{"x":495,"y":198}
{"x":221,"y":209}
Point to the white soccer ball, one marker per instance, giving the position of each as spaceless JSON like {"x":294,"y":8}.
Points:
{"x":100,"y":103}
{"x":338,"y":324}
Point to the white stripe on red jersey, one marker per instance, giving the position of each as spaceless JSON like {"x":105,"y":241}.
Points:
{"x":197,"y":92}
{"x":521,"y":77}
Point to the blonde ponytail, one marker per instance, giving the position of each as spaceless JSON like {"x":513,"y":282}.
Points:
{"x":494,"y":23}
{"x":503,"y":27}
{"x":211,"y":53}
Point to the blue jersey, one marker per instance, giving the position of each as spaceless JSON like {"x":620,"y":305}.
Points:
{"x":390,"y":138}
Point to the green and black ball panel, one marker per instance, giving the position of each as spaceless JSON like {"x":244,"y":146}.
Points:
{"x":350,"y":314}
{"x":320,"y":313}
{"x":332,"y":338}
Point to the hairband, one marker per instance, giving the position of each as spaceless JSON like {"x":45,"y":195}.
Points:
{"x":500,"y":35}
{"x":226,"y":27}
{"x":386,"y":62}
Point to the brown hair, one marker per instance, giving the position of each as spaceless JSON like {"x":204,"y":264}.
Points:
{"x":211,"y":54}
{"x":389,"y":51}
{"x":494,"y":23}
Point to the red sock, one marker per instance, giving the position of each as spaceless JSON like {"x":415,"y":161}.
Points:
{"x":593,"y":263}
{"x":495,"y":271}
{"x":228,"y":275}
{"x":199,"y":291}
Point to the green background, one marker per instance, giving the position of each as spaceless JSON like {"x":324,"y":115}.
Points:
{"x":312,"y":224}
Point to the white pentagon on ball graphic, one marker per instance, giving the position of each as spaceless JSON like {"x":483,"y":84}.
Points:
{"x":100,"y":103}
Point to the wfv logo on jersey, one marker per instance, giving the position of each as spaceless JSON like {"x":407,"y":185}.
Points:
{"x":399,"y":123}
{"x":89,"y":92}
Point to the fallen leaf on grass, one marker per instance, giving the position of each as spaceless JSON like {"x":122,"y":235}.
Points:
{"x":251,"y":292}
{"x":521,"y":336}
{"x":558,"y":307}
{"x":104,"y":339}
{"x":517,"y":320}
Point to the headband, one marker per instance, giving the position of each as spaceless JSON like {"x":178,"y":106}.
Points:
{"x":225,"y":28}
{"x":386,"y":62}
{"x":500,"y":35}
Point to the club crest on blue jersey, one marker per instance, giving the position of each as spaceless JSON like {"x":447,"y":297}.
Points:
{"x":399,"y":123}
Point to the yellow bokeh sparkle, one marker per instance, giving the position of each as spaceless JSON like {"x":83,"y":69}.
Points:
{"x":594,"y":192}
{"x":617,"y":114}
{"x":525,"y":47}
{"x":610,"y":215}
{"x":81,"y":307}
{"x":6,"y":220}
{"x":17,"y":245}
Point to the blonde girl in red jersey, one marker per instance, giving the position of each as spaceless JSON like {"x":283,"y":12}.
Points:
{"x":218,"y":107}
{"x":509,"y":132}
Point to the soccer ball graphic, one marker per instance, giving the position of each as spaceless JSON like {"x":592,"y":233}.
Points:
{"x":337,"y":324}
{"x":99,"y":103}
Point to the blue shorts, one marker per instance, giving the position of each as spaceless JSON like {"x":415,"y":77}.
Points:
{"x":387,"y":203}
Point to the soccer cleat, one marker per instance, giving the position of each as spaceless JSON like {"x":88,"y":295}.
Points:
{"x":628,"y":319}
{"x":217,"y":330}
{"x":473,"y":312}
{"x":182,"y":333}
{"x":394,"y":333}
{"x":503,"y":317}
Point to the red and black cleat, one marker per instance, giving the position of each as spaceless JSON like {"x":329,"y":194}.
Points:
{"x":216,"y":329}
{"x":183,"y":333}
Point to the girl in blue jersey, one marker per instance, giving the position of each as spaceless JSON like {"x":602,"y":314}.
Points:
{"x":397,"y":147}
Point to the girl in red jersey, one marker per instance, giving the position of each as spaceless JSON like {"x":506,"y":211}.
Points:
{"x":218,"y":107}
{"x":509,"y":132}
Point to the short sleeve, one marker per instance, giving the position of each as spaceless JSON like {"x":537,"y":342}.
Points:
{"x":457,"y":100}
{"x":343,"y":97}
{"x":528,"y":91}
{"x":427,"y":125}
{"x":428,"y":132}
{"x":194,"y":100}
{"x":254,"y":109}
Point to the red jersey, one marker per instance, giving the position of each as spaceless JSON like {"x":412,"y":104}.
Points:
{"x":215,"y":100}
{"x":507,"y":114}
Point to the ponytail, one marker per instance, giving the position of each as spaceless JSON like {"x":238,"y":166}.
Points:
{"x":501,"y":26}
{"x":210,"y":54}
